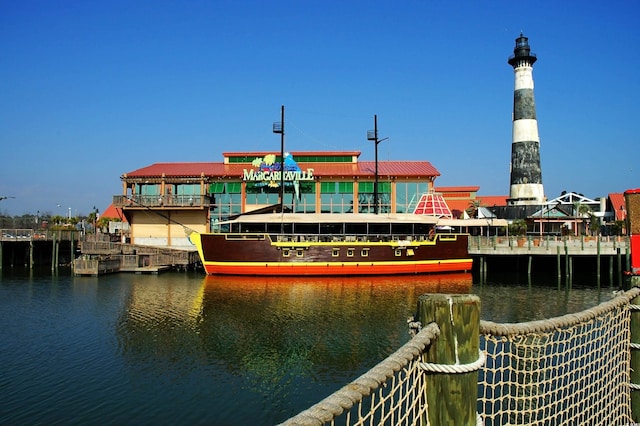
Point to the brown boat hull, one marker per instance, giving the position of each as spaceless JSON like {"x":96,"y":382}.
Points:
{"x":258,"y":254}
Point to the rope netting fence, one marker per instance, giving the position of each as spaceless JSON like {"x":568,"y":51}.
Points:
{"x":573,"y":369}
{"x":391,"y":393}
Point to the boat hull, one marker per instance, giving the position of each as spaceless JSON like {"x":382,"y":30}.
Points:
{"x":258,"y":254}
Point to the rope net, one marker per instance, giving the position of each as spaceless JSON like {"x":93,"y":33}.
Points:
{"x":573,"y":369}
{"x":392,"y":393}
{"x":568,"y":370}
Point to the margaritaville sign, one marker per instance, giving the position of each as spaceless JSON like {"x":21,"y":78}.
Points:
{"x":268,"y":170}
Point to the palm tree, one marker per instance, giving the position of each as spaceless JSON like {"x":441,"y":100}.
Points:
{"x":472,"y":210}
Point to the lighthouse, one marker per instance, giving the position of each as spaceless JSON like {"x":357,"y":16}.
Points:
{"x":526,"y":175}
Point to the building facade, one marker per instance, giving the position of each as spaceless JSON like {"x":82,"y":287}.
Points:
{"x":163,"y":200}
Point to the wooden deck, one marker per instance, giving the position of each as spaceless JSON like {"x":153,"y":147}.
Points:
{"x":141,"y":259}
{"x":95,"y":267}
{"x":548,"y":245}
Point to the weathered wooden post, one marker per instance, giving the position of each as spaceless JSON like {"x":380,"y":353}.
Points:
{"x":54,"y":254}
{"x":453,"y":359}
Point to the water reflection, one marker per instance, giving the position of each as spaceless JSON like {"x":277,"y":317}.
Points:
{"x":186,"y":349}
{"x":333,"y":322}
{"x":282,"y":342}
{"x":275,"y":321}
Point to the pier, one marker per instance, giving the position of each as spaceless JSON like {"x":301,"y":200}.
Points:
{"x":88,"y":254}
{"x":611,"y":252}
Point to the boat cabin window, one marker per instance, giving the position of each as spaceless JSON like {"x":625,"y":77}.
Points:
{"x":331,"y":228}
{"x":355,"y":228}
{"x":306,"y":228}
{"x":379,"y":228}
{"x":335,"y":252}
{"x":401,"y":228}
{"x":422,"y":228}
{"x":277,"y":228}
{"x":252,"y":227}
{"x":365,"y":252}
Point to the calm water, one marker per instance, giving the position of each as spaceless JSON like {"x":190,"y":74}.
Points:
{"x":181,"y":348}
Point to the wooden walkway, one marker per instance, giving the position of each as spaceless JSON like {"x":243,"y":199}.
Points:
{"x":615,"y":252}
{"x":548,"y":246}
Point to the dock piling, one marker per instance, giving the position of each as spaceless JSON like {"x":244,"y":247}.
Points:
{"x":451,"y":398}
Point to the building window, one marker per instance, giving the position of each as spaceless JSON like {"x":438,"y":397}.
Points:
{"x":408,"y":194}
{"x":336,"y":197}
{"x":366,"y":195}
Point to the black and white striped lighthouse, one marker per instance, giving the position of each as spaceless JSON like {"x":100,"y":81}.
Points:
{"x":526,"y":174}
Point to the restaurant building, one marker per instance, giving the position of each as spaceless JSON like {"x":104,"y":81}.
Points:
{"x":163,"y":200}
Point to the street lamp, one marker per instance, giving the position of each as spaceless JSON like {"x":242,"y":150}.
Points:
{"x":372,"y":135}
{"x":278,"y":127}
{"x":95,"y":223}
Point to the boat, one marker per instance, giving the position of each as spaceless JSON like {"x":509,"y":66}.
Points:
{"x":312,"y":244}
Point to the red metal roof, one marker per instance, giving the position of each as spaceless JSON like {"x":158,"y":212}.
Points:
{"x":618,"y":204}
{"x":294,"y":153}
{"x":360,"y":169}
{"x":458,"y":206}
{"x":492,"y":200}
{"x":457,"y":189}
{"x":113,"y":213}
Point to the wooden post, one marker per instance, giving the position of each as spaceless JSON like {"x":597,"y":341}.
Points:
{"x":610,"y":271}
{"x":54,"y":253}
{"x":598,"y":259}
{"x":619,"y":267}
{"x":452,"y":397}
{"x":31,"y":254}
{"x":558,"y":262}
{"x":635,"y":361}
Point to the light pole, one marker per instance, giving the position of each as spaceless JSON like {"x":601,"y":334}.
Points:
{"x":278,"y":127}
{"x":372,"y":135}
{"x":96,"y":212}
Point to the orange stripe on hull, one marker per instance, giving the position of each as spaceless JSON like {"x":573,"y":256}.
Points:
{"x":285,"y":269}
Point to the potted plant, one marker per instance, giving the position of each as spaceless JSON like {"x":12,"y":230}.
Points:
{"x":519,"y":228}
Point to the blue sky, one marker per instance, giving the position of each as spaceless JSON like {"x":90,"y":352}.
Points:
{"x":90,"y":90}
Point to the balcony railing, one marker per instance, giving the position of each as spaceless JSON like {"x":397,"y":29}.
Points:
{"x":161,"y":201}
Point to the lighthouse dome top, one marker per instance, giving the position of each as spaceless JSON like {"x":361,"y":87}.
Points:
{"x":522,"y":53}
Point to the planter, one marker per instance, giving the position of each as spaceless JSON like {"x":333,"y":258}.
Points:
{"x":521,"y":241}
